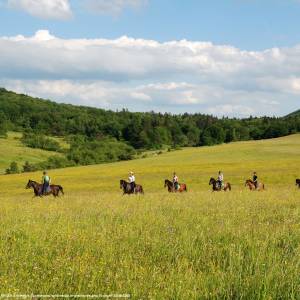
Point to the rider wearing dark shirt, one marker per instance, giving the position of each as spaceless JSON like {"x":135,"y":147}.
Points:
{"x":255,"y":179}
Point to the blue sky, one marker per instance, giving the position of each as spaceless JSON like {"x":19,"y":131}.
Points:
{"x":225,"y":57}
{"x":246,"y":24}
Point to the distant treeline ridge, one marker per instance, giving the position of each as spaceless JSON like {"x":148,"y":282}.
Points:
{"x":141,"y":130}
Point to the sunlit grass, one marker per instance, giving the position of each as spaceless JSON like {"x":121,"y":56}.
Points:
{"x":192,"y":246}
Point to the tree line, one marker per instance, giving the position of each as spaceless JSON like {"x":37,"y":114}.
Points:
{"x":93,"y":128}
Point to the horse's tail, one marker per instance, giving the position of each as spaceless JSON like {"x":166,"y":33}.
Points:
{"x":185,"y":188}
{"x":60,"y":189}
{"x":142,"y":191}
{"x":229,"y":186}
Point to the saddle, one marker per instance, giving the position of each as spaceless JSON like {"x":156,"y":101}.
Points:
{"x":47,"y":190}
{"x":220,"y":186}
{"x":177,"y":186}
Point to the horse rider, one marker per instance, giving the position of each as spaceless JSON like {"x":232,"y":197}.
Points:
{"x":175,"y":181}
{"x":220,"y":179}
{"x":131,"y":180}
{"x":46,"y":182}
{"x":255,"y":180}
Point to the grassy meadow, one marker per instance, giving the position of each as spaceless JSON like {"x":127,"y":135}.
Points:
{"x":198,"y":245}
{"x":11,"y":149}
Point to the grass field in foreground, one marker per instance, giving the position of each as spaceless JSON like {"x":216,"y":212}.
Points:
{"x":197,"y":245}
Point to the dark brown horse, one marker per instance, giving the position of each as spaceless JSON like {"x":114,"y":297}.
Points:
{"x":298,"y":182}
{"x":217,"y":188}
{"x":251,"y":185}
{"x":171,"y":187}
{"x":126,"y":186}
{"x":37,"y":189}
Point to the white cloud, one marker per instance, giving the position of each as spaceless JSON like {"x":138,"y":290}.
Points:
{"x":45,"y":9}
{"x":175,"y":76}
{"x":158,"y":97}
{"x":112,"y":7}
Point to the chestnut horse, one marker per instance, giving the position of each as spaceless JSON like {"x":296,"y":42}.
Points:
{"x":217,"y":188}
{"x":251,"y":185}
{"x":37,"y":189}
{"x":171,"y":188}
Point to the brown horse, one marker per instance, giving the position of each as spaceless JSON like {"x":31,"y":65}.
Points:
{"x":217,"y":188}
{"x":251,"y":185}
{"x":298,"y":182}
{"x":37,"y":189}
{"x":171,"y":187}
{"x":126,"y":186}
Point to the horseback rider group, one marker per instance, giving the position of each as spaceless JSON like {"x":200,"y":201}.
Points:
{"x":133,"y":188}
{"x":219,"y":184}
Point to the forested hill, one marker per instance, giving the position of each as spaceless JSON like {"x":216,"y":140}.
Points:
{"x":295,"y":113}
{"x":140,"y":130}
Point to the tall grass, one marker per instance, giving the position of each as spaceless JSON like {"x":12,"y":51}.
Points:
{"x":238,"y":245}
{"x":198,"y":245}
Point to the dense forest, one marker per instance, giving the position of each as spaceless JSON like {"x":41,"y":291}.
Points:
{"x":92,"y":128}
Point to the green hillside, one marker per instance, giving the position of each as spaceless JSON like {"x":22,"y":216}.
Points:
{"x":295,"y":113}
{"x":147,"y":130}
{"x":11,"y":149}
{"x":275,"y":159}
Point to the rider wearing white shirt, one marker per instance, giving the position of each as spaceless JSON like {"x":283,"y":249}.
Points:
{"x":175,"y":181}
{"x":131,"y":180}
{"x":220,"y":179}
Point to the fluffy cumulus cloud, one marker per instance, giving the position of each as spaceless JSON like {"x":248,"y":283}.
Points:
{"x":45,"y":9}
{"x":112,"y":7}
{"x":174,"y":76}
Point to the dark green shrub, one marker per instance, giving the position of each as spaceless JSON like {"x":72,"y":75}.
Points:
{"x":13,"y":169}
{"x":28,"y":167}
{"x":40,"y":141}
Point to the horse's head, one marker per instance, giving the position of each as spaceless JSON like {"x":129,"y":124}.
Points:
{"x":29,"y":184}
{"x":297,"y":181}
{"x":211,"y":181}
{"x":248,"y":181}
{"x":166,"y":182}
